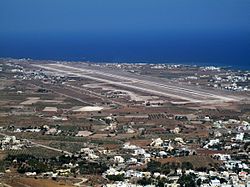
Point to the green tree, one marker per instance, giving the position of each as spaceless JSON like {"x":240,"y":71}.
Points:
{"x":154,"y":166}
{"x":187,"y":180}
{"x":115,"y":177}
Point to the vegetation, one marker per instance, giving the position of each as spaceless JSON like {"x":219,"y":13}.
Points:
{"x":2,"y":166}
{"x":145,"y":181}
{"x":115,"y":177}
{"x":35,"y":151}
{"x":155,"y":166}
{"x":28,"y":163}
{"x":187,"y":180}
{"x":92,"y":167}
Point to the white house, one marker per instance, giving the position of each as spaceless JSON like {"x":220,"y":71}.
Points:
{"x":157,"y":142}
{"x":119,"y":159}
{"x":215,"y":183}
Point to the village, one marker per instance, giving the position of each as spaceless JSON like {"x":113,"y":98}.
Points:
{"x":80,"y":132}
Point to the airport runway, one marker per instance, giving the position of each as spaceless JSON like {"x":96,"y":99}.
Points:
{"x":137,"y":83}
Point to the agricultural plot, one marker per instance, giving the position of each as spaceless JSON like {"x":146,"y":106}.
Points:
{"x":195,"y":160}
{"x":24,"y":182}
{"x":36,"y":151}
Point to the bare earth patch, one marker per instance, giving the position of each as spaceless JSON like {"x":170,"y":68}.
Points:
{"x":30,"y":182}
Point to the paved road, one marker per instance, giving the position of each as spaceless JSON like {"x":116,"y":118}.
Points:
{"x":51,"y":148}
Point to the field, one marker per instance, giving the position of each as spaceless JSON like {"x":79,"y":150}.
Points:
{"x":196,"y":161}
{"x":30,"y":182}
{"x":36,"y":151}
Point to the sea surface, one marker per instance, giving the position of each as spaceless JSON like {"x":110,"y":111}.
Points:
{"x":182,"y":48}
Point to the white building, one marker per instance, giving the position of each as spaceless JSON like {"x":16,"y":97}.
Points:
{"x":119,"y":159}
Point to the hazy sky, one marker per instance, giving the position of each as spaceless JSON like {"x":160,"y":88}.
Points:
{"x":124,"y":16}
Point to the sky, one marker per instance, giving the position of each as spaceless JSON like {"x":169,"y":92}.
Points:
{"x":153,"y":20}
{"x":51,"y":16}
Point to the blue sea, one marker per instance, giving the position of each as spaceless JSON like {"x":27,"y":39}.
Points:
{"x":183,"y":48}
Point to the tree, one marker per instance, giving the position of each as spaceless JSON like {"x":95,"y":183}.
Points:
{"x":187,"y":165}
{"x":116,"y":177}
{"x":165,"y":169}
{"x":187,"y":180}
{"x":198,"y":182}
{"x":154,"y":166}
{"x":144,"y":181}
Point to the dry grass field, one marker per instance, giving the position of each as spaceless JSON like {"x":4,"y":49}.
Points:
{"x":30,"y":182}
{"x":195,"y":160}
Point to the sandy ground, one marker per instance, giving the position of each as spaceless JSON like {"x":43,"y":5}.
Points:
{"x":2,"y":155}
{"x":30,"y":101}
{"x":33,"y":100}
{"x":4,"y":83}
{"x":89,"y":109}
